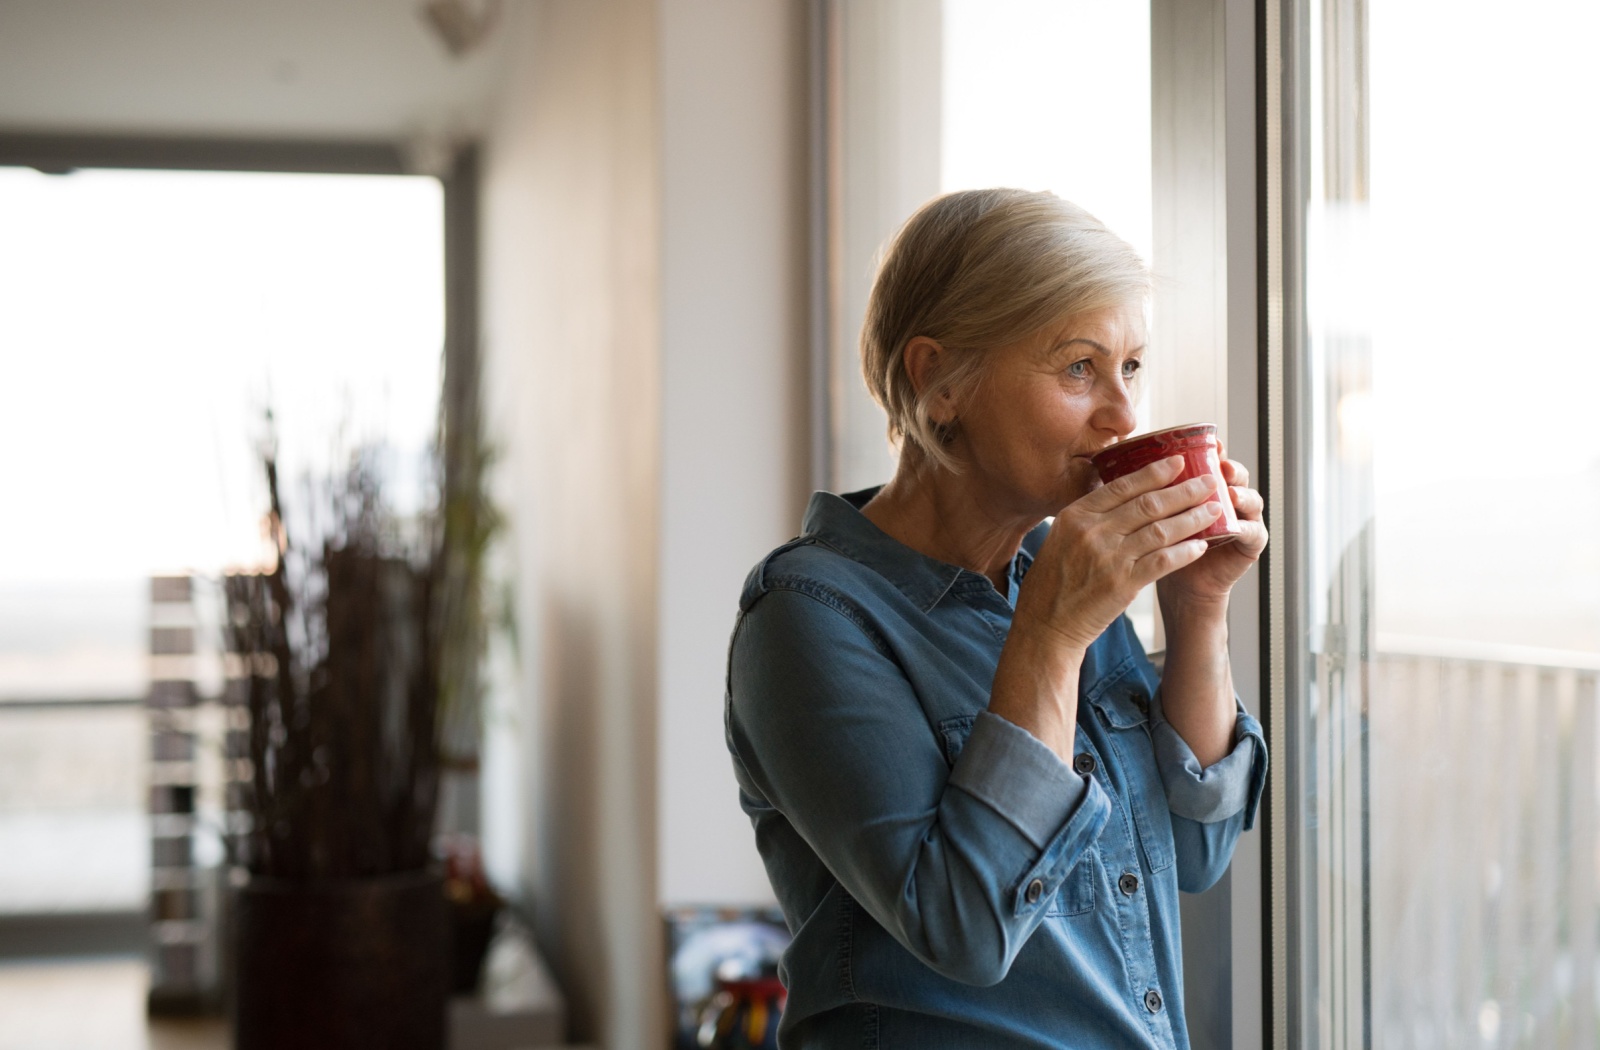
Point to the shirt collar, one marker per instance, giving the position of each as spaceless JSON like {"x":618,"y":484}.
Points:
{"x":837,"y":521}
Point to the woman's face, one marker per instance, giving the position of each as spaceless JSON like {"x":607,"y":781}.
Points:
{"x":1046,"y":404}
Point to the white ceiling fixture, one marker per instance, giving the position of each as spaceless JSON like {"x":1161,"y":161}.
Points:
{"x":462,"y":26}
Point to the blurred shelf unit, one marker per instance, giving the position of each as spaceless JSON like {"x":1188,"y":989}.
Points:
{"x":194,"y":794}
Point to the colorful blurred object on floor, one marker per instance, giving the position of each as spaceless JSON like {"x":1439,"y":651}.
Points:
{"x":744,"y":1012}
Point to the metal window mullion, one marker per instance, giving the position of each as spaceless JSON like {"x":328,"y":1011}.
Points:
{"x":1282,"y":173}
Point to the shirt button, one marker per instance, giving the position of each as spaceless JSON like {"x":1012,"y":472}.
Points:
{"x":1035,"y":891}
{"x":1083,"y":764}
{"x":1129,"y":883}
{"x":1152,"y":1001}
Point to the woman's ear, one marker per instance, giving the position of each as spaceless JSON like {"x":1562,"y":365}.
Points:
{"x":924,"y":359}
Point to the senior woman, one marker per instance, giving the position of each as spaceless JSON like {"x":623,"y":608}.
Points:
{"x":975,"y":797}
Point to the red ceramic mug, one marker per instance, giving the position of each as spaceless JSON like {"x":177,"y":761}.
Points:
{"x":1197,"y":444}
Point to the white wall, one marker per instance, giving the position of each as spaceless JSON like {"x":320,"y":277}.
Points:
{"x":888,"y":61}
{"x":733,"y":372}
{"x":571,"y":342}
{"x":644,"y":231}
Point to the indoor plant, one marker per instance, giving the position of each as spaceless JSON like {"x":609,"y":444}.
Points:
{"x":344,"y":645}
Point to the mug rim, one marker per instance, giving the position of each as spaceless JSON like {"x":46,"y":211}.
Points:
{"x":1131,"y":445}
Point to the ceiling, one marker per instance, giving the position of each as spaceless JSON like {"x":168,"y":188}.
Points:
{"x":309,"y":69}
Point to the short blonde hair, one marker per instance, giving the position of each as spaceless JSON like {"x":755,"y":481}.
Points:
{"x":978,"y":269}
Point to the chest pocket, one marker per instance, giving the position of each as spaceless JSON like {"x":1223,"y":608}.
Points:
{"x":1077,"y":893}
{"x":1122,"y":705}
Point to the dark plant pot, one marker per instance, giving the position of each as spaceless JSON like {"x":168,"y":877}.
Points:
{"x":472,"y":928}
{"x":345,"y":964}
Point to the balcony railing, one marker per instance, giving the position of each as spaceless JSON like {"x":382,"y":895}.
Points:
{"x":74,"y":834}
{"x":1484,"y":804}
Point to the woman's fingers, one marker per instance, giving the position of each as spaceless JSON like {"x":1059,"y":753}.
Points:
{"x":1235,"y":473}
{"x":1252,"y":538}
{"x":1247,"y":502}
{"x":1110,"y":543}
{"x":1173,"y":530}
{"x":1167,"y":560}
{"x":1128,"y":507}
{"x":1152,"y":478}
{"x":1161,"y":504}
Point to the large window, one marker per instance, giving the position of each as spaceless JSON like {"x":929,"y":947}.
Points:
{"x":1444,"y":799}
{"x":148,"y":320}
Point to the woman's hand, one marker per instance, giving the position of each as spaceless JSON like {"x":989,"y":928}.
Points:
{"x":1106,"y":547}
{"x":1209,"y":579}
{"x":1197,"y":681}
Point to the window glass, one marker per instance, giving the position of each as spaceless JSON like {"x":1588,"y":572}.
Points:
{"x":1051,"y":95}
{"x":1486,"y":473}
{"x":1453,"y":472}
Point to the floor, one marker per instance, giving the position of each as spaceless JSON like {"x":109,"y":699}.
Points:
{"x":91,"y":1004}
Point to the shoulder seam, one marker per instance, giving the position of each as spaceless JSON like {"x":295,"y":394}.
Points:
{"x":832,"y":599}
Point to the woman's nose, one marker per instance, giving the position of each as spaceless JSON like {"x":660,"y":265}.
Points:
{"x":1115,"y":412}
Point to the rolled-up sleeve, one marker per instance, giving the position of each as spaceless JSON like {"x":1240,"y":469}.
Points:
{"x":958,"y":864}
{"x":1230,"y":786}
{"x":1016,"y":775}
{"x":1209,"y":806}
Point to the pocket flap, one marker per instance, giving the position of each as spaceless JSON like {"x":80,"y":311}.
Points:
{"x":1124,"y":705}
{"x":954,"y":732}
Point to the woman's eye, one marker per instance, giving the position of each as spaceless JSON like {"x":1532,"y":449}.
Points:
{"x":1129,"y":368}
{"x":1078,"y":369}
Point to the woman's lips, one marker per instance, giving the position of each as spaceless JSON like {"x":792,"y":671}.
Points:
{"x":1087,"y":460}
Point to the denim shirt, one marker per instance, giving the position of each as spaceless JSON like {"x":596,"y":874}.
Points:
{"x":949,"y":881}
